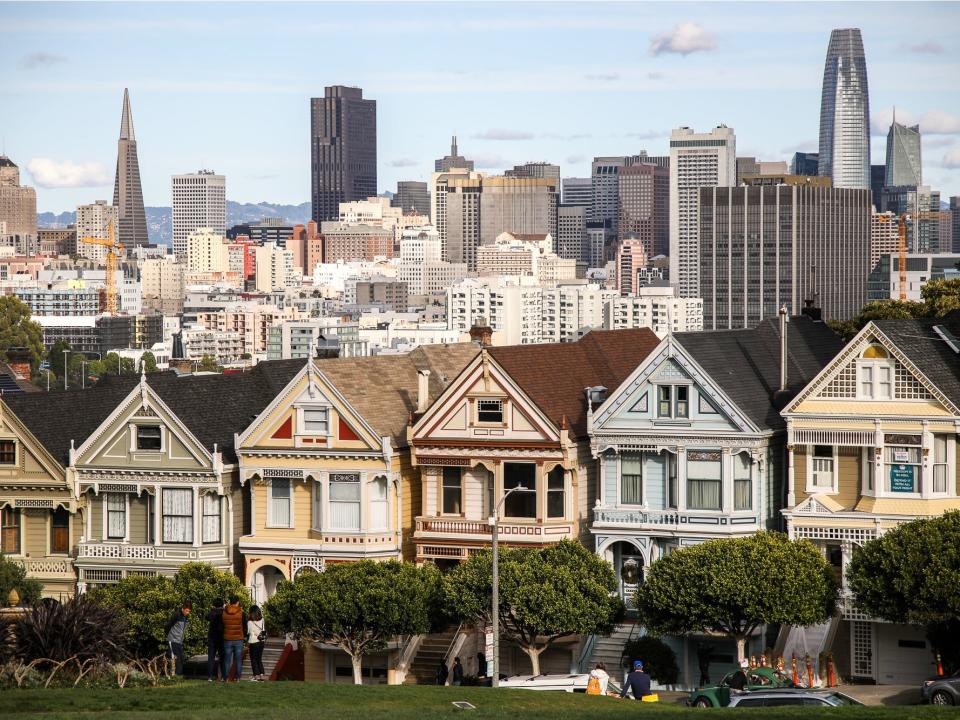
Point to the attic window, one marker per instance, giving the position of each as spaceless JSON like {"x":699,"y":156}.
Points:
{"x":316,"y":421}
{"x":875,"y":352}
{"x":8,"y":452}
{"x":490,"y":411}
{"x":149,"y":437}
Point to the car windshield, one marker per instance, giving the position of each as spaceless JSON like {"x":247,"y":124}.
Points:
{"x":839,"y":699}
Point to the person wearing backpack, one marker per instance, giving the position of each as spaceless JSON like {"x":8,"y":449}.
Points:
{"x":256,"y":637}
{"x":599,"y":679}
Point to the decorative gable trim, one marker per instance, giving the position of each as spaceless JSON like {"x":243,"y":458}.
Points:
{"x":848,"y":356}
{"x":818,"y":505}
{"x":680,"y":362}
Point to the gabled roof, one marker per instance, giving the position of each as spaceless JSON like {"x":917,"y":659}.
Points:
{"x":383,"y":389}
{"x":554,"y":375}
{"x":745,"y":364}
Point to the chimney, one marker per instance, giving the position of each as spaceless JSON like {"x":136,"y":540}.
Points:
{"x":783,"y":347}
{"x":18,"y":358}
{"x":482,"y":333}
{"x":423,"y":390}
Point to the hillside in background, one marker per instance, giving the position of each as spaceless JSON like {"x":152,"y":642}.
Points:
{"x":159,"y":219}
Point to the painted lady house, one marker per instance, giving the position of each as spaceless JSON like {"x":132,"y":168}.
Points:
{"x":516,"y":416}
{"x":691,"y":447}
{"x":872,"y":444}
{"x":326,"y":474}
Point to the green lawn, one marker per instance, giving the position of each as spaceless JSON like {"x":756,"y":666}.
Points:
{"x":291,"y":701}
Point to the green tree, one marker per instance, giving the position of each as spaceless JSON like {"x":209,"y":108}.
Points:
{"x":659,"y":660}
{"x":359,"y":607}
{"x":732,"y":586}
{"x":146,"y":603}
{"x":941,"y":297}
{"x":545,"y":595}
{"x":879,"y":310}
{"x":149,"y":362}
{"x":56,"y":358}
{"x":18,"y":330}
{"x":208,"y":364}
{"x":911,"y":575}
{"x":14,"y":577}
{"x":113,"y":364}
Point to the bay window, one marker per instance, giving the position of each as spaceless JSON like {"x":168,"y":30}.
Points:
{"x":940,"y":466}
{"x":556,"y":493}
{"x":378,"y":504}
{"x":902,"y":465}
{"x":177,"y":515}
{"x":742,"y":482}
{"x":452,"y":491}
{"x":520,"y":504}
{"x":344,"y":501}
{"x":211,"y":518}
{"x":280,"y":498}
{"x":631,"y":479}
{"x":704,"y":480}
{"x":116,"y":516}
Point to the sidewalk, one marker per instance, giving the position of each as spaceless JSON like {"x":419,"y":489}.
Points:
{"x":883,"y":694}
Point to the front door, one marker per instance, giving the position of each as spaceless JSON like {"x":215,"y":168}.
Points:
{"x":631,"y":575}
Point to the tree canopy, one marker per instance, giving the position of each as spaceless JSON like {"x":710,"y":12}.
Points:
{"x":146,"y":603}
{"x":938,"y":297}
{"x":359,"y":607}
{"x":731,"y":586}
{"x":148,"y":362}
{"x":911,"y":575}
{"x":18,"y":330}
{"x":14,"y":577}
{"x":545,"y":594}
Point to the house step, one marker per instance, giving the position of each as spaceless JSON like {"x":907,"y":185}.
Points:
{"x":272,"y":651}
{"x":433,"y":649}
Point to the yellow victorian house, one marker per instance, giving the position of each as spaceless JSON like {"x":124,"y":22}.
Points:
{"x":872,"y":443}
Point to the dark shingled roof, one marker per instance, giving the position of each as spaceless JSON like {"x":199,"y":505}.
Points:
{"x":554,"y":375}
{"x":746,"y":363}
{"x":928,"y":351}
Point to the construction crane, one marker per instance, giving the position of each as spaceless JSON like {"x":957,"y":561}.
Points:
{"x":902,"y":220}
{"x":114,"y":248}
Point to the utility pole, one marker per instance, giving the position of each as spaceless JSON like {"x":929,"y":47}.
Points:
{"x":65,"y":353}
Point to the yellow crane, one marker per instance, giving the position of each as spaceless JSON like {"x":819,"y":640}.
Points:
{"x":114,"y":248}
{"x":902,"y":220}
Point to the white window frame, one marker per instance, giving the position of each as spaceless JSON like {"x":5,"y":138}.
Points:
{"x":443,"y":492}
{"x":330,"y":502}
{"x":135,"y":438}
{"x":316,"y":511}
{"x":674,"y":401}
{"x":810,"y":458}
{"x":874,"y":367}
{"x":503,"y":411}
{"x":301,"y":428}
{"x":105,"y":534}
{"x":950,"y":464}
{"x":269,"y":519}
{"x":868,"y":471}
{"x":192,"y":516}
{"x":326,"y":421}
{"x":374,"y":501}
{"x":204,"y":516}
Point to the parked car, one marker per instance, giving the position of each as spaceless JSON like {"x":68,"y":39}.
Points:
{"x":761,"y":678}
{"x":942,"y":690}
{"x":563,"y":683}
{"x":781,"y":697}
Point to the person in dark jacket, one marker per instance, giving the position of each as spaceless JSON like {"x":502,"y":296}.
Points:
{"x":637,"y":681}
{"x":234,"y":631}
{"x":214,"y":640}
{"x":457,"y":672}
{"x":739,"y":680}
{"x":443,"y":672}
{"x":176,"y":632}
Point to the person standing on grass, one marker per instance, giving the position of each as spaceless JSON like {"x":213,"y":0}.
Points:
{"x":457,"y":672}
{"x":234,"y":630}
{"x":256,"y":636}
{"x":176,"y":632}
{"x":214,"y":639}
{"x":443,"y":672}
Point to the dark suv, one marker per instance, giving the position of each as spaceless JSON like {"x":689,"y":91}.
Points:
{"x":942,"y":690}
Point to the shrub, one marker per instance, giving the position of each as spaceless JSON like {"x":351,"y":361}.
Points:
{"x":14,"y":577}
{"x":76,"y":629}
{"x":659,"y":660}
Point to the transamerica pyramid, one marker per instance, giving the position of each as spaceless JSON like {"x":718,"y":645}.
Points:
{"x":127,"y":193}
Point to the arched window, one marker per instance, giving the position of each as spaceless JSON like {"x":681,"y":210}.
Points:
{"x":875,"y":374}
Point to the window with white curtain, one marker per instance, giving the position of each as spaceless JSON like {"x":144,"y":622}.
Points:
{"x":211,"y":518}
{"x":316,"y":421}
{"x":378,"y":504}
{"x":345,"y":501}
{"x":280,"y":500}
{"x":116,"y":516}
{"x":631,"y":479}
{"x":704,"y":480}
{"x":317,"y":505}
{"x":177,"y":515}
{"x":940,"y":467}
{"x":742,"y":482}
{"x":671,"y":480}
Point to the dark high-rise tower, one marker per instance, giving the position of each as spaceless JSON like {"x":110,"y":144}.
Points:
{"x":903,"y":155}
{"x":343,"y":150}
{"x":127,"y":193}
{"x":845,"y":112}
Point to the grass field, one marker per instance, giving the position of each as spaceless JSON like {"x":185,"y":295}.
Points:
{"x":291,"y":701}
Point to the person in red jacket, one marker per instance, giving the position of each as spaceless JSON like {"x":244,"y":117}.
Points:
{"x":234,"y":622}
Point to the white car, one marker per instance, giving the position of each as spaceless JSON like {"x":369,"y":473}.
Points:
{"x":563,"y":683}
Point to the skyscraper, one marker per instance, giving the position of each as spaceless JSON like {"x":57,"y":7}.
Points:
{"x":343,"y":150}
{"x":696,"y":160}
{"x":412,"y":196}
{"x":534,"y":170}
{"x":845,"y":112}
{"x":577,"y":191}
{"x":199,"y":201}
{"x":18,"y":203}
{"x":903,"y":155}
{"x":805,"y":163}
{"x":605,"y":176}
{"x":127,"y":193}
{"x":94,"y":221}
{"x":453,"y":160}
{"x":645,"y":206}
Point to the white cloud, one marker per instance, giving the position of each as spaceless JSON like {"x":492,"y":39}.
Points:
{"x":646,"y":134}
{"x":938,"y":142}
{"x":489,"y":161}
{"x":810,"y":146}
{"x":951,"y":159}
{"x":655,"y":75}
{"x":934,"y":122}
{"x":574,"y":159}
{"x":605,"y":77}
{"x":49,"y":173}
{"x":684,"y":39}
{"x":503,"y":134}
{"x":404,"y":162}
{"x":928,"y":47}
{"x":40,"y":59}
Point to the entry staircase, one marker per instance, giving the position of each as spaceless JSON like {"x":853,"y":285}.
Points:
{"x":609,"y":650}
{"x":433,"y":649}
{"x":272,"y":651}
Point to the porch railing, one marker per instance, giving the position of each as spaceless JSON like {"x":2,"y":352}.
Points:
{"x":636,"y":517}
{"x":511,"y":531}
{"x":117,"y":551}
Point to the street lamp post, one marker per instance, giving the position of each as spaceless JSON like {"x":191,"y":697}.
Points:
{"x":495,"y":680}
{"x":65,"y":353}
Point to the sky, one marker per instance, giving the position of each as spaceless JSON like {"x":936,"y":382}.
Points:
{"x":226,"y":86}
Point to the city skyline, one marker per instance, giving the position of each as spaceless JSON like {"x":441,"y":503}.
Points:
{"x":658,"y":67}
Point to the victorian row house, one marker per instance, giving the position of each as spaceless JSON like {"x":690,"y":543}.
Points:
{"x":872,"y":443}
{"x":691,"y":447}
